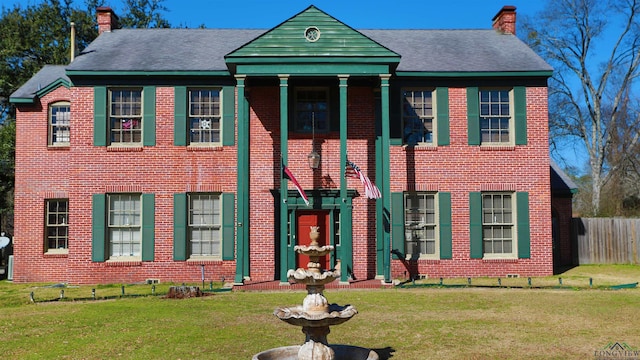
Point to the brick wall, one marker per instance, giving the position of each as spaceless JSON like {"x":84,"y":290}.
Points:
{"x":82,"y":169}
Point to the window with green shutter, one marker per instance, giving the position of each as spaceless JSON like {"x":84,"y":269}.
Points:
{"x":204,"y":116}
{"x":124,"y":116}
{"x":499,"y":225}
{"x":497,"y":116}
{"x":421,"y":225}
{"x":123,"y":227}
{"x":203,"y":226}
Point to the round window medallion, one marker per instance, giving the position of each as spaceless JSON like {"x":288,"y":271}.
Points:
{"x":312,"y":34}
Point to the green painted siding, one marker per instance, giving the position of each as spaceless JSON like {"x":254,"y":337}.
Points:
{"x":336,"y":40}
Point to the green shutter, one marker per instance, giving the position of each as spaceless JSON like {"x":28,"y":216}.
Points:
{"x":522,"y":217}
{"x":444,"y":206}
{"x":397,"y":223}
{"x":98,"y":233}
{"x":475,"y":225}
{"x":520,"y":106}
{"x":179,"y":227}
{"x":442,"y":100}
{"x":100,"y":128}
{"x":149,"y":116}
{"x":228,"y":226}
{"x":180,"y":116}
{"x":228,"y":115}
{"x":473,"y":116}
{"x":148,"y":226}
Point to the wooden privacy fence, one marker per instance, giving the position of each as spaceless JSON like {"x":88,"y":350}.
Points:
{"x":606,"y":240}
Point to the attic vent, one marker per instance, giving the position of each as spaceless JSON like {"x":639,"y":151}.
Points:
{"x":312,"y":34}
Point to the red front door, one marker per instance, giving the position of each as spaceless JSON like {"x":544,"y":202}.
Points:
{"x":307,"y":219}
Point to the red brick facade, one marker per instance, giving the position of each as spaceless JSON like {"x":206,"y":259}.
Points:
{"x":78,"y":171}
{"x":163,"y":168}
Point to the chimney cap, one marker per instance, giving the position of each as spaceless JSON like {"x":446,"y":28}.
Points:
{"x":505,"y":9}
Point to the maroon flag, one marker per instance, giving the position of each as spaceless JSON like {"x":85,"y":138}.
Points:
{"x":289,"y":176}
{"x":370,"y":189}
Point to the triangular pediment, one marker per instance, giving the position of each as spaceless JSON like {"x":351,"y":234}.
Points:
{"x":313,"y":34}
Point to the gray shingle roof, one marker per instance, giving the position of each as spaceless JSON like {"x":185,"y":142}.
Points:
{"x":459,"y":50}
{"x":561,"y":183}
{"x":161,"y":50}
{"x":204,"y":50}
{"x":48,"y":75}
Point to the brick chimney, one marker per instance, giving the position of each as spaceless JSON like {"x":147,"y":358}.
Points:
{"x":107,"y":19}
{"x":505,"y":20}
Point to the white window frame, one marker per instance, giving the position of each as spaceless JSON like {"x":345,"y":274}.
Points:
{"x":414,"y":227}
{"x":125,"y":118}
{"x":208,"y":116}
{"x":496,"y":117}
{"x":124,"y":224}
{"x":315,"y":114}
{"x":498,"y":225}
{"x":56,"y":227}
{"x":59,"y":123}
{"x":205,"y":223}
{"x":412,"y":119}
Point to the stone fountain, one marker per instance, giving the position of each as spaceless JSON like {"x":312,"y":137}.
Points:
{"x":316,"y":315}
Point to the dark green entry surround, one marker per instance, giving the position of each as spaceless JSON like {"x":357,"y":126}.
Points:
{"x":337,"y":51}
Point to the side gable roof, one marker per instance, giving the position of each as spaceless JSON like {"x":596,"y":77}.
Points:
{"x":328,"y":38}
{"x":561,"y":183}
{"x":49,"y":78}
{"x":218,"y":51}
{"x":449,"y":51}
{"x":160,"y":50}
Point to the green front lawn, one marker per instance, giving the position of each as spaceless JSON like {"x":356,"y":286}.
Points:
{"x":400,"y":323}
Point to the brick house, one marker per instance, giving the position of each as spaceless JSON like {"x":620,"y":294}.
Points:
{"x":165,"y":151}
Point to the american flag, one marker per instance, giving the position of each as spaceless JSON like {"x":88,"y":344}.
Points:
{"x":370,"y":190}
{"x":286,"y":173}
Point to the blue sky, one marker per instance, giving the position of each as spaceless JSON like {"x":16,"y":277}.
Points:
{"x":359,"y":14}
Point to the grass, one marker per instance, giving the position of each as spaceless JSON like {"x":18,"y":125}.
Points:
{"x":400,"y":323}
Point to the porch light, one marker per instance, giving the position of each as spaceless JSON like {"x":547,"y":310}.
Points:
{"x":313,"y":158}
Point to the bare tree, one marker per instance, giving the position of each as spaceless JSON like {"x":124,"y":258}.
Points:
{"x":594,"y":48}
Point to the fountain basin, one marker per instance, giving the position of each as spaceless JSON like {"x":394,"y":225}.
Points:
{"x":342,"y":352}
{"x":308,"y":277}
{"x":313,"y":250}
{"x":298,"y":316}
